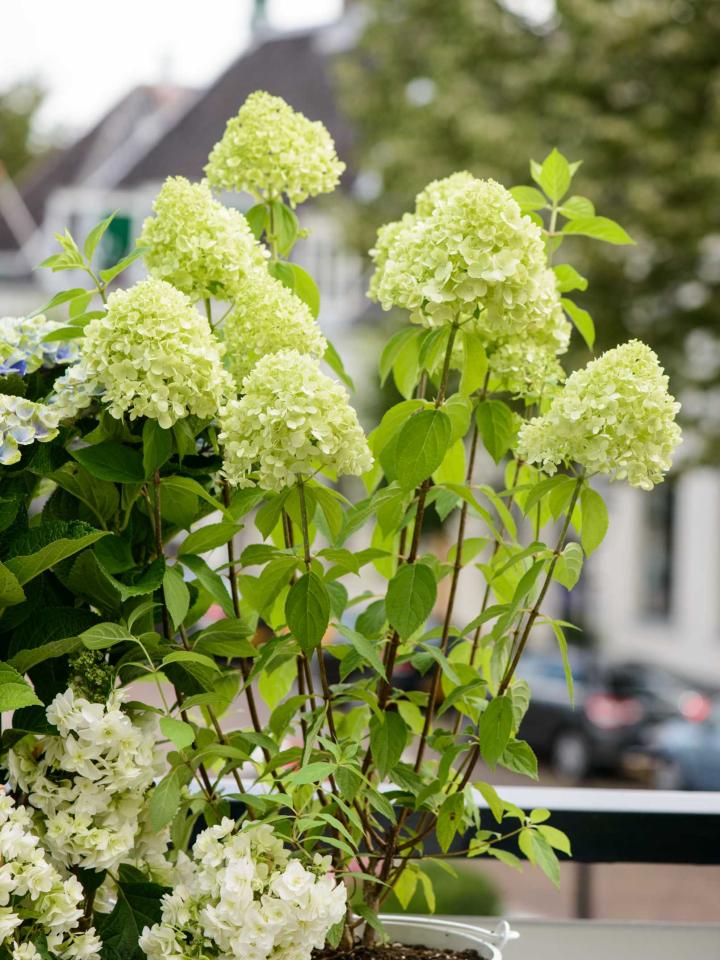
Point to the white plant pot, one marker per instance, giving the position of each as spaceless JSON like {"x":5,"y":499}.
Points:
{"x":448,"y":934}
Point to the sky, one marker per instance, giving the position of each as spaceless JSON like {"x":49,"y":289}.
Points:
{"x":89,"y":53}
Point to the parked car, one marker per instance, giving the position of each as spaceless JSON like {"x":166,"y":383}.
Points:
{"x":615,"y":705}
{"x":681,"y":754}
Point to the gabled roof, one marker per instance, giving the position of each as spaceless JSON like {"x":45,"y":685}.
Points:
{"x":83,"y":161}
{"x":294,"y":66}
{"x":155,"y":132}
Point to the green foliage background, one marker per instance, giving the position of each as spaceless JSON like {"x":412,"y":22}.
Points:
{"x":631,"y":86}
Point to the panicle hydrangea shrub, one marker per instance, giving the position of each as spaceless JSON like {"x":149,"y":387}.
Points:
{"x":22,"y":422}
{"x":155,"y":355}
{"x":40,"y":910}
{"x":86,"y":786}
{"x":25,"y":349}
{"x":613,"y":417}
{"x":196,"y":244}
{"x":267,"y":318}
{"x":241,"y":896}
{"x":291,"y":420}
{"x":270,"y":150}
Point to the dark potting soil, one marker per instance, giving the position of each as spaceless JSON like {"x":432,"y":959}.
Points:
{"x":396,"y":951}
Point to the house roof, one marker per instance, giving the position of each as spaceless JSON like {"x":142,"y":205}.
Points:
{"x":157,"y":131}
{"x":294,"y":67}
{"x":82,"y":161}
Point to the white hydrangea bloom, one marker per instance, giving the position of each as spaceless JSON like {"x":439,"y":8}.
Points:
{"x":267,"y":317}
{"x":614,"y":417}
{"x":241,"y":897}
{"x":269,"y":150}
{"x":22,"y":422}
{"x":291,"y":421}
{"x":197,"y":244}
{"x":35,"y":898}
{"x":468,"y":255}
{"x":155,"y":355}
{"x":88,"y":786}
{"x":24,"y":347}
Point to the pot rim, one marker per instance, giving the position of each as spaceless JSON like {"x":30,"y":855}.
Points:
{"x":494,"y":939}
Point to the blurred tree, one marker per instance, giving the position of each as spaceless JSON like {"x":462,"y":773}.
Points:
{"x":18,"y":108}
{"x":630,"y":87}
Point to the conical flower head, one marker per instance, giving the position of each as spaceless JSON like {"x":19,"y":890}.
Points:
{"x":267,"y":318}
{"x":155,"y":356}
{"x":614,"y":417}
{"x":270,"y":150}
{"x":197,"y":244}
{"x":467,"y":254}
{"x":291,"y":421}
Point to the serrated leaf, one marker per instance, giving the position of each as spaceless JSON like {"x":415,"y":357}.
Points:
{"x":569,"y":566}
{"x":73,"y":537}
{"x":312,"y":773}
{"x":15,"y":691}
{"x":581,"y":319}
{"x":157,"y":446}
{"x":111,"y":272}
{"x":519,"y":757}
{"x":421,"y":446}
{"x":333,"y":359}
{"x":305,"y":288}
{"x":388,"y":738}
{"x":529,"y":198}
{"x":594,"y":519}
{"x":411,"y":596}
{"x":495,"y":728}
{"x":599,"y":228}
{"x":568,"y":278}
{"x":178,"y":732}
{"x":165,"y":799}
{"x":95,"y":236}
{"x":307,"y":610}
{"x":491,"y":798}
{"x":555,"y":175}
{"x":11,"y":593}
{"x":575,"y":207}
{"x":104,"y":635}
{"x":496,"y":424}
{"x":450,"y":819}
{"x":207,"y":538}
{"x":177,"y":595}
{"x":556,"y":838}
{"x":366,"y":649}
{"x":113,"y":461}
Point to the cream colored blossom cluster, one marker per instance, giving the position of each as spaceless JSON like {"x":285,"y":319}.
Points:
{"x":24,"y":347}
{"x":270,"y":150}
{"x":197,"y":244}
{"x":467,"y":255}
{"x":614,"y":417}
{"x":290,"y":421}
{"x":37,"y":905}
{"x":22,"y":422}
{"x":155,"y":355}
{"x":241,"y":897}
{"x":87,"y":786}
{"x":267,"y":318}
